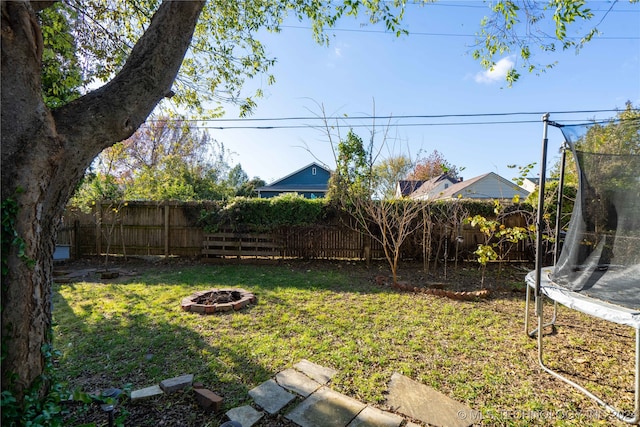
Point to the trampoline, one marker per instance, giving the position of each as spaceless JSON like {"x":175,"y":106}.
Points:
{"x":597,"y":272}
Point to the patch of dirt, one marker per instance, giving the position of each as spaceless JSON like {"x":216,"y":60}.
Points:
{"x":176,"y":409}
{"x":461,"y":276}
{"x":117,"y":269}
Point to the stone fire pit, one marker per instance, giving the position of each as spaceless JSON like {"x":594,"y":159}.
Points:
{"x":217,"y":300}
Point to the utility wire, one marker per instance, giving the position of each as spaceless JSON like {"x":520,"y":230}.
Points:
{"x":468,"y":5}
{"x":426,"y":34}
{"x":399,"y":117}
{"x":475,"y":5}
{"x":399,"y":125}
{"x":347,"y":125}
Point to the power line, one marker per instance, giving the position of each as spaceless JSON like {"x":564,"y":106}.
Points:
{"x":392,"y":117}
{"x":479,"y":6}
{"x":344,"y":123}
{"x":475,"y":5}
{"x":398,"y":125}
{"x":427,"y":34}
{"x":347,"y":125}
{"x":607,"y":11}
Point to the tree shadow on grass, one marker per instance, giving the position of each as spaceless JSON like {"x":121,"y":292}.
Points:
{"x":104,"y":347}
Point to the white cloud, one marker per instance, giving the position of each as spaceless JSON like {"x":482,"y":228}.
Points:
{"x":497,"y":73}
{"x":336,"y":55}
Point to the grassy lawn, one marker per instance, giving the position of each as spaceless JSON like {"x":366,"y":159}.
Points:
{"x":134,"y":331}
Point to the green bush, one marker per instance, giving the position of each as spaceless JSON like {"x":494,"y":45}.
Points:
{"x":243,"y":214}
{"x":252,"y":214}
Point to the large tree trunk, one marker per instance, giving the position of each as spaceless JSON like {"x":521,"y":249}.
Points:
{"x":45,"y":153}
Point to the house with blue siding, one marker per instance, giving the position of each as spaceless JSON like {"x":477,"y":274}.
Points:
{"x":312,"y":181}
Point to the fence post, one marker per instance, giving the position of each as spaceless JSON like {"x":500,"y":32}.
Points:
{"x":98,"y":215}
{"x":166,"y":229}
{"x":367,"y":248}
{"x":75,"y":241}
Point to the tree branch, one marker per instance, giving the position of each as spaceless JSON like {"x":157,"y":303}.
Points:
{"x":113,"y":112}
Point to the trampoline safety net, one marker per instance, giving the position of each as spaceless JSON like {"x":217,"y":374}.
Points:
{"x":600,"y":256}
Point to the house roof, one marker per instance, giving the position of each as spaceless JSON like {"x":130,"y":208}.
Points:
{"x":312,"y":164}
{"x":429,"y":185}
{"x":282,"y":186}
{"x":407,"y":186}
{"x":460,"y":187}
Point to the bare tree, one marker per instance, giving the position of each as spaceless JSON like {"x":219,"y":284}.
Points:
{"x":389,"y":222}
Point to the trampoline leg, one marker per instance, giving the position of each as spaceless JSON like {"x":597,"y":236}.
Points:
{"x":540,"y":342}
{"x":526,"y":310}
{"x":533,"y":332}
{"x":555,"y":314}
{"x":633,"y":418}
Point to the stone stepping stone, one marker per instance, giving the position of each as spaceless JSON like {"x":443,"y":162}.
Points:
{"x":245,"y":415}
{"x":319,"y":373}
{"x":297,"y":382}
{"x":374,"y":417}
{"x":425,"y":404}
{"x":270,"y":396}
{"x":325,"y":408}
{"x":145,"y":393}
{"x":177,"y":383}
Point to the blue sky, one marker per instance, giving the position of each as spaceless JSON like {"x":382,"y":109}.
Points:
{"x":435,"y":74}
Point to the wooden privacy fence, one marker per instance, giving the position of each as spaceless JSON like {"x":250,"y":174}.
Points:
{"x":137,"y":228}
{"x":171,"y":228}
{"x":239,"y":245}
{"x":317,"y":242}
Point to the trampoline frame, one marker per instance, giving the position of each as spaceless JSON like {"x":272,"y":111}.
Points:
{"x":633,"y":418}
